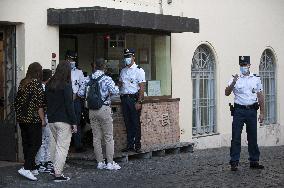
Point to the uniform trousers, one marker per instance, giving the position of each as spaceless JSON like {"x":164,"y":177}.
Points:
{"x":102,"y":128}
{"x":31,"y":141}
{"x":77,"y":137}
{"x":132,"y":121}
{"x":60,"y":142}
{"x":249,"y":117}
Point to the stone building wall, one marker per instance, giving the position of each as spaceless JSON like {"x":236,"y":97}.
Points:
{"x":159,"y":126}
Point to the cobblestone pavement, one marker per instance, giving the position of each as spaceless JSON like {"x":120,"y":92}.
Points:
{"x":203,"y":168}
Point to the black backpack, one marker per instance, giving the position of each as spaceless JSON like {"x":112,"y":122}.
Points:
{"x":93,"y":95}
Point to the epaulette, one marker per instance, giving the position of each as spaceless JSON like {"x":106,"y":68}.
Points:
{"x":256,"y":75}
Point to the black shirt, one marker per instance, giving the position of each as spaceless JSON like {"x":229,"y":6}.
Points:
{"x":60,"y":106}
{"x":28,"y":101}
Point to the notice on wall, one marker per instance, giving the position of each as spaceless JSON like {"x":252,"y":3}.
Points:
{"x":154,"y":88}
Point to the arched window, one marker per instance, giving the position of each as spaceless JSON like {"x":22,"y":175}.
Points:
{"x":267,"y":75}
{"x":203,"y":100}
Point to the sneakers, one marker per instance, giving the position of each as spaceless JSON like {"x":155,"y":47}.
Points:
{"x":35,"y":172}
{"x":52,"y":172}
{"x":101,"y":165}
{"x":45,"y":167}
{"x":27,"y":173}
{"x":49,"y":164}
{"x":112,"y":166}
{"x":61,"y":178}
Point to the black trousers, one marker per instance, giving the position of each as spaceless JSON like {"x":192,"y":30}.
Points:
{"x":31,"y":142}
{"x":241,"y":117}
{"x":132,"y":121}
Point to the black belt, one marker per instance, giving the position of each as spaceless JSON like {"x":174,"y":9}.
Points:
{"x":245,"y":106}
{"x":129,"y":95}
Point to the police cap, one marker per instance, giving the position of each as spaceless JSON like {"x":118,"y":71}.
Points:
{"x":71,"y":54}
{"x":129,"y":52}
{"x":244,"y":60}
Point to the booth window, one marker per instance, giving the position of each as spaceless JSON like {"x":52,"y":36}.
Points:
{"x":267,"y":75}
{"x":152,"y":54}
{"x":204,"y":99}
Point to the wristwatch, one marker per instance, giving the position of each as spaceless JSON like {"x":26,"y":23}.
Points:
{"x":140,"y":101}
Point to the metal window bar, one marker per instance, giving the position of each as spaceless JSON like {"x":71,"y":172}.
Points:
{"x":203,"y":101}
{"x":267,"y":74}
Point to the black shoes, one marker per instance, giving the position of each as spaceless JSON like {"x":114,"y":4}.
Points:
{"x":253,"y":165}
{"x":61,"y":178}
{"x":256,"y":165}
{"x":137,"y":149}
{"x":127,"y":149}
{"x":234,"y":166}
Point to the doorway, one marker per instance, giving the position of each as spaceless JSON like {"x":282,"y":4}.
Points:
{"x":8,"y":147}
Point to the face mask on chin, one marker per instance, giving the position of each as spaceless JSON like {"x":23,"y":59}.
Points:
{"x":244,"y":70}
{"x":127,"y":61}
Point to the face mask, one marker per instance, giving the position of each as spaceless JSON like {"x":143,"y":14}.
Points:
{"x":244,"y":70}
{"x":127,"y":61}
{"x":72,"y":65}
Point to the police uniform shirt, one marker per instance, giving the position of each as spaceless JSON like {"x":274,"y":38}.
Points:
{"x":130,"y":78}
{"x":77,"y":78}
{"x":246,"y":89}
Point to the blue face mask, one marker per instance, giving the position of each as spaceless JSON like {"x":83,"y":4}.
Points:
{"x":244,"y":70}
{"x":127,"y":61}
{"x":72,"y":65}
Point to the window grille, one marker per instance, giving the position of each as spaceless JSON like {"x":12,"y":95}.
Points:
{"x":267,"y":75}
{"x":203,"y":101}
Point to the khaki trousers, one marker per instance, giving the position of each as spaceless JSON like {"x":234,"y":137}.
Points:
{"x":59,"y":146}
{"x":102,"y":128}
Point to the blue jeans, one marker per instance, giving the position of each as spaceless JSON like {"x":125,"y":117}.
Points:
{"x":249,"y":117}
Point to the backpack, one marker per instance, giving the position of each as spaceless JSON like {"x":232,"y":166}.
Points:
{"x":93,"y":94}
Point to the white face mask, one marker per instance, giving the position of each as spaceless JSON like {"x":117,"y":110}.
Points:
{"x":127,"y":61}
{"x":244,"y":70}
{"x":72,"y":64}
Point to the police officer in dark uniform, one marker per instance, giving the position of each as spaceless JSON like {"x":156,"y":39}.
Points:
{"x":247,"y":89}
{"x":78,"y":79}
{"x":132,"y":84}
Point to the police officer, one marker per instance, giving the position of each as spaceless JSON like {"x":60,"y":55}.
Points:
{"x":132,"y":84}
{"x":247,"y":89}
{"x":77,"y":78}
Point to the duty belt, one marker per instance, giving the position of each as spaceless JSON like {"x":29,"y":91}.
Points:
{"x":252,"y":106}
{"x":129,"y":95}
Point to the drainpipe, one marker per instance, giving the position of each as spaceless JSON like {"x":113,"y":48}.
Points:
{"x":161,"y":6}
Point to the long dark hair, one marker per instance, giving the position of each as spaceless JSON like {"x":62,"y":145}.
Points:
{"x":61,"y":77}
{"x":34,"y":72}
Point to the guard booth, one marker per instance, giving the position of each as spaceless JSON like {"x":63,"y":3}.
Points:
{"x":96,"y":32}
{"x":8,"y":131}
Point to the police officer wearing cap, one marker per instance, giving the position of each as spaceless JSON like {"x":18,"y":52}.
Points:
{"x":132,"y":84}
{"x":247,"y":89}
{"x":77,"y":78}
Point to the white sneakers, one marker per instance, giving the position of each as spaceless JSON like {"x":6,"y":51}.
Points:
{"x":109,"y":166}
{"x":35,"y":172}
{"x":101,"y":165}
{"x":112,"y":166}
{"x":27,"y":173}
